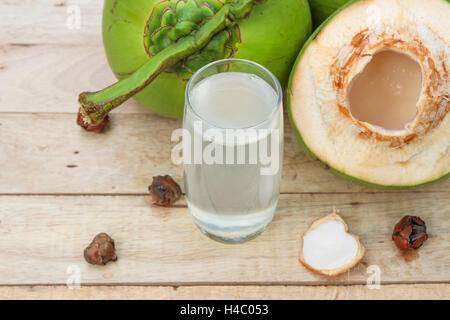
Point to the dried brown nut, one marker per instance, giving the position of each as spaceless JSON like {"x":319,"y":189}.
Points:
{"x":101,"y":250}
{"x":164,"y":190}
{"x":410,"y":233}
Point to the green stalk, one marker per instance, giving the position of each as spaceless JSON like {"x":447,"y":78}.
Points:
{"x":95,"y":106}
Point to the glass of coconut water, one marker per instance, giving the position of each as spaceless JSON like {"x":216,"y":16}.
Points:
{"x":233,"y":148}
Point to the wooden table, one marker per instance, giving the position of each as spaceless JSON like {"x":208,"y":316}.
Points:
{"x":59,"y":186}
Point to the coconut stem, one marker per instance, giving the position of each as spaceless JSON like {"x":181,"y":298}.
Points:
{"x":95,"y":106}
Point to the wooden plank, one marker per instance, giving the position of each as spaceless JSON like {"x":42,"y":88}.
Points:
{"x":46,"y":153}
{"x":45,"y":21}
{"x":355,"y":292}
{"x":42,"y":236}
{"x":49,"y":77}
{"x":44,"y":65}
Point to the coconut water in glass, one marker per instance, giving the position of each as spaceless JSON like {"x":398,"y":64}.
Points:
{"x":233,"y":148}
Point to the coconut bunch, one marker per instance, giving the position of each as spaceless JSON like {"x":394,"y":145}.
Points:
{"x":154,"y":47}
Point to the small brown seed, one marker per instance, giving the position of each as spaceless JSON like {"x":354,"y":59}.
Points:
{"x":101,"y":250}
{"x":164,"y":190}
{"x":410,"y":233}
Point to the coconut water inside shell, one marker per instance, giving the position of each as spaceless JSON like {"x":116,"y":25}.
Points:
{"x":385,"y":93}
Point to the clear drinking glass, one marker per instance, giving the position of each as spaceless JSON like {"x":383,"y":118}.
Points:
{"x":233,"y":148}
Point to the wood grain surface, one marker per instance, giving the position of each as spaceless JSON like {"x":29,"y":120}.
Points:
{"x":43,"y":153}
{"x":356,"y":292}
{"x":59,"y":186}
{"x":41,"y":237}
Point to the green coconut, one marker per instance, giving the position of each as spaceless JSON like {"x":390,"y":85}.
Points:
{"x":322,"y":9}
{"x":350,"y":92}
{"x":154,"y":47}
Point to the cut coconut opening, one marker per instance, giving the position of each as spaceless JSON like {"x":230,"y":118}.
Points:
{"x":386,"y":92}
{"x":328,"y":248}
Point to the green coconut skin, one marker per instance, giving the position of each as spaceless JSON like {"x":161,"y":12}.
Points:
{"x":335,"y":171}
{"x":272,"y":35}
{"x":322,"y":9}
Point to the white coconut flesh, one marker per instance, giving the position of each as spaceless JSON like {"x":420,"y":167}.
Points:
{"x":328,"y":248}
{"x":370,"y":94}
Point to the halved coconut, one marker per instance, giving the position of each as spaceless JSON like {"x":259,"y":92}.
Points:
{"x":369,"y":94}
{"x":328,"y":248}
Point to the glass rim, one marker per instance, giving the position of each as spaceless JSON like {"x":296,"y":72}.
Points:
{"x":278,"y":91}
